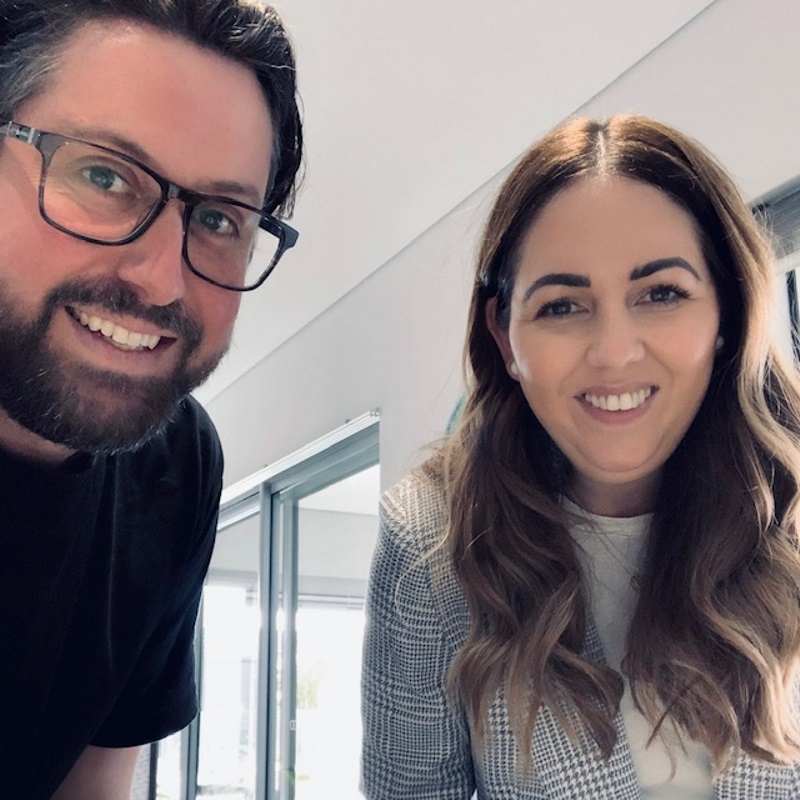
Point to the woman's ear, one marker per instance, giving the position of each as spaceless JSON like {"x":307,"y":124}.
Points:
{"x":500,"y":336}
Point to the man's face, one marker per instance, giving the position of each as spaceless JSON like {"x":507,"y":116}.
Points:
{"x":97,"y":343}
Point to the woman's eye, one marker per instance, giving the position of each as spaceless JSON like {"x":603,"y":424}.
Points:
{"x":557,"y":308}
{"x":665,"y":294}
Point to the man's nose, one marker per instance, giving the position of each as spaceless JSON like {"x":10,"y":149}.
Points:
{"x":616,"y":341}
{"x":153,"y":263}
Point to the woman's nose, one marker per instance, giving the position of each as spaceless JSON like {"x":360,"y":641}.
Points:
{"x":617,"y":341}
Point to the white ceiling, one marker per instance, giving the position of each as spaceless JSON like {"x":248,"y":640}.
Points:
{"x":410,"y":107}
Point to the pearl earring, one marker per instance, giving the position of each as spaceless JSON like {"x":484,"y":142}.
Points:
{"x":513,"y":369}
{"x":720,"y":343}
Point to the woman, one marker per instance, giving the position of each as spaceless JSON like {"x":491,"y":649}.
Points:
{"x":591,"y":589}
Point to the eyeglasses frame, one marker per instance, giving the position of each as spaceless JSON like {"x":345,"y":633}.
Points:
{"x":47,"y":143}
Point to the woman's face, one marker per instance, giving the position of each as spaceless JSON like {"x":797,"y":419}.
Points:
{"x":612,"y":337}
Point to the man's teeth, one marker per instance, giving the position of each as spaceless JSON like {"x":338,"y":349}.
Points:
{"x":122,"y":337}
{"x":619,"y":402}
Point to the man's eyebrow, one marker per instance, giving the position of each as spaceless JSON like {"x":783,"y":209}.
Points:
{"x":236,"y":191}
{"x":652,"y":267}
{"x":556,"y":279}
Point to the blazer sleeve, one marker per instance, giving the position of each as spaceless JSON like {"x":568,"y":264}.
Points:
{"x":416,"y":743}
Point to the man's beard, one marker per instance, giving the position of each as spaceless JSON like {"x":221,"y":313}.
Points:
{"x":63,"y":402}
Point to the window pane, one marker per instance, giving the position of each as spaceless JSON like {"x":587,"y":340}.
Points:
{"x":231,"y":621}
{"x":337,"y":527}
{"x":328,"y":692}
{"x":226,"y":761}
{"x":169,"y":773}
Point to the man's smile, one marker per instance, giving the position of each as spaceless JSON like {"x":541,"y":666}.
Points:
{"x":115,"y":333}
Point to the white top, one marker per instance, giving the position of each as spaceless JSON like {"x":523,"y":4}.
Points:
{"x":613,"y":549}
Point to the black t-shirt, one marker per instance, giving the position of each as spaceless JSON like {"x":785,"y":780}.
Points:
{"x":101,"y":567}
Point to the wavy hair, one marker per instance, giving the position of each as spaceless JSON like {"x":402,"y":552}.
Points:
{"x":33,"y":34}
{"x":714,"y":641}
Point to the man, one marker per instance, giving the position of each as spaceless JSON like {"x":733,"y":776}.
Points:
{"x":143,"y":143}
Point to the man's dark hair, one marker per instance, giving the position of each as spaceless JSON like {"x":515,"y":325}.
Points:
{"x":33,"y":34}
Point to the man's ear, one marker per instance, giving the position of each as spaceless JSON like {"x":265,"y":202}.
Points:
{"x":500,"y":336}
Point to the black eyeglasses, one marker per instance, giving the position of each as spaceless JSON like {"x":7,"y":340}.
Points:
{"x":106,"y":197}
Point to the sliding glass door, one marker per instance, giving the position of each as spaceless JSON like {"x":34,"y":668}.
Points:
{"x":280,"y":630}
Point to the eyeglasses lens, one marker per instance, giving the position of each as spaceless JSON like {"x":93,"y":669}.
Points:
{"x":225,"y":243}
{"x":93,"y":193}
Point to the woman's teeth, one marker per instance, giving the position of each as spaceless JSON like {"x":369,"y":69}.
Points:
{"x":116,"y":334}
{"x":618,"y":402}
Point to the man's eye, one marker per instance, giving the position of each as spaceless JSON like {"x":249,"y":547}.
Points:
{"x":215,"y":221}
{"x":105,"y":179}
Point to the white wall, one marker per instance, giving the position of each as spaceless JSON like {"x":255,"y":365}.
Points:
{"x":392,"y":344}
{"x":730,"y":77}
{"x":409,"y":106}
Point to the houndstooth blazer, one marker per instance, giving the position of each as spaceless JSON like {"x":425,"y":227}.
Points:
{"x":417,"y":747}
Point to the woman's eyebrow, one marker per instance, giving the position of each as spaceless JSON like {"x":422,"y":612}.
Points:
{"x":556,"y":279}
{"x":575,"y":280}
{"x":652,"y":267}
